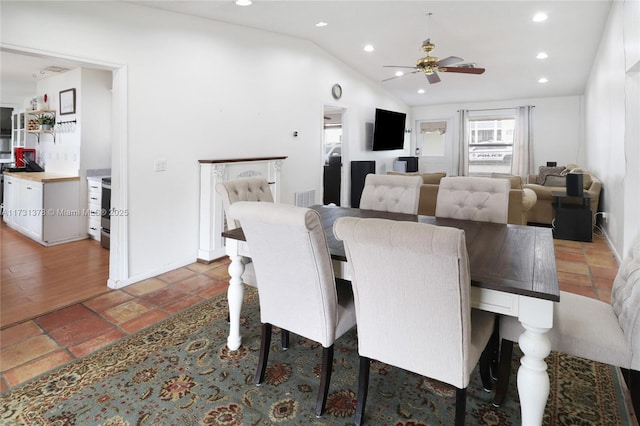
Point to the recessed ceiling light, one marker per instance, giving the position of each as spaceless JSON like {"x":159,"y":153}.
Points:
{"x":540,"y":17}
{"x":321,"y":24}
{"x":399,"y":74}
{"x":368,"y":48}
{"x":543,"y":80}
{"x":421,"y":91}
{"x":542,"y":55}
{"x":243,"y":2}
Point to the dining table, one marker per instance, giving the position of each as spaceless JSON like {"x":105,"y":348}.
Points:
{"x":513,"y":272}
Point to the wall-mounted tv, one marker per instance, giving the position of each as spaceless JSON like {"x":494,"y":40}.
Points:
{"x":388,"y":130}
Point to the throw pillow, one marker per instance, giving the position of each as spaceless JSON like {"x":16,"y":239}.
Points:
{"x":543,"y":171}
{"x":555,"y":180}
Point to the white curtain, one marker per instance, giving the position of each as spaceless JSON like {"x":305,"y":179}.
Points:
{"x":523,"y":142}
{"x":463,"y":133}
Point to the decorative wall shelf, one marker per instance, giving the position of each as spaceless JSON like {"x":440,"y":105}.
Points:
{"x":38,"y":113}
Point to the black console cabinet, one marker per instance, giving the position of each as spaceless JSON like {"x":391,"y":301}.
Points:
{"x":572,"y":221}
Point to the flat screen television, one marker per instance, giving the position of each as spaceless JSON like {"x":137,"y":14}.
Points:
{"x":388,"y":130}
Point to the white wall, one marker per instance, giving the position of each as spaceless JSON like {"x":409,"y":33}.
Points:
{"x":612,"y":131}
{"x":199,"y":89}
{"x":557,"y":128}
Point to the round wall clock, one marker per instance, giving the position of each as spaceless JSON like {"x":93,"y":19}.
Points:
{"x":336,"y":91}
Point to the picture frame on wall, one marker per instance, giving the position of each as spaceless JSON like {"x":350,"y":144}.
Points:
{"x":68,"y":101}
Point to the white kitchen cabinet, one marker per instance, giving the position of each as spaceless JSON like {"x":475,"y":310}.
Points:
{"x":10,"y":201}
{"x":94,"y":197}
{"x":31,"y":208}
{"x":18,"y":130}
{"x":44,"y":207}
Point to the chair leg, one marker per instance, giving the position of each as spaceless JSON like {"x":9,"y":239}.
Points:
{"x":284,"y":338}
{"x":632,"y":379}
{"x":325,"y":379}
{"x":495,"y":348}
{"x":486,"y":360}
{"x":265,"y":343}
{"x":461,"y":406}
{"x":363,"y":389}
{"x":504,"y":371}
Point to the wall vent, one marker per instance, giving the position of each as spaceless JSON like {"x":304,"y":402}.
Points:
{"x":306,"y":198}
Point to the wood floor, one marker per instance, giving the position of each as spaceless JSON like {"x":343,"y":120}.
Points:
{"x":35,"y":279}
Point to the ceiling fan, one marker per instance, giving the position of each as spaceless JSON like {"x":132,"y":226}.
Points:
{"x":430,"y":64}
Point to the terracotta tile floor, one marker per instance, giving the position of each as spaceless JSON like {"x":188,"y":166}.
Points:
{"x":34,"y":347}
{"x":44,"y":343}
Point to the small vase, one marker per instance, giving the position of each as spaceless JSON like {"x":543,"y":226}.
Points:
{"x":45,"y":127}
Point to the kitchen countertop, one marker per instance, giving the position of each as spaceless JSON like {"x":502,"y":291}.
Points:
{"x":42,"y":176}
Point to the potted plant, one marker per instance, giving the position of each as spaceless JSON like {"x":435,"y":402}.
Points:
{"x":46,"y":122}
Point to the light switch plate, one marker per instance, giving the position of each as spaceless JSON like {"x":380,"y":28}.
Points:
{"x":160,"y":165}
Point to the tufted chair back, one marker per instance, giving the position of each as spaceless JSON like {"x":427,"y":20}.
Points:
{"x":474,"y":198}
{"x":391,"y":193}
{"x":243,"y":189}
{"x":625,"y":300}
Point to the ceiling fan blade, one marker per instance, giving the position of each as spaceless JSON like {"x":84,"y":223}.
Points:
{"x":398,"y":66}
{"x":448,"y":61}
{"x":398,"y":76}
{"x":463,"y":70}
{"x":433,"y":78}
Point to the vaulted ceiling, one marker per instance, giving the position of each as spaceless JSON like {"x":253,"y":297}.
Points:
{"x":499,"y":36}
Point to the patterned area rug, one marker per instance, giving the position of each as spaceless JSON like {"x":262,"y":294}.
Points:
{"x":179,"y":372}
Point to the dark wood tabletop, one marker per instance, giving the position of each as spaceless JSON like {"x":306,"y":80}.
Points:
{"x":510,"y":258}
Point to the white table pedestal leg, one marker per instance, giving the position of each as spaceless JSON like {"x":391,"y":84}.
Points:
{"x":235,"y":295}
{"x":533,"y":379}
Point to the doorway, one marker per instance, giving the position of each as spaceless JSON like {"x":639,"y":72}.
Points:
{"x":332,"y":155}
{"x":117,"y":269}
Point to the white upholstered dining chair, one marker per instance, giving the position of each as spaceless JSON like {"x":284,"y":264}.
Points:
{"x":391,"y":193}
{"x":473,"y":198}
{"x":254,"y":188}
{"x":588,"y":328}
{"x":422,"y":323}
{"x":482,"y":199}
{"x":298,"y":291}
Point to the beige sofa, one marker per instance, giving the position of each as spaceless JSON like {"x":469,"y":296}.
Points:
{"x":549,"y":180}
{"x":520,"y":201}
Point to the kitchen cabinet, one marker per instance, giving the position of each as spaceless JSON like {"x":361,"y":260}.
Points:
{"x":94,"y":197}
{"x":44,"y":207}
{"x":31,"y":203}
{"x":18,"y":130}
{"x":11,"y":193}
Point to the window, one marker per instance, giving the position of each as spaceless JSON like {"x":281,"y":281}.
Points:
{"x":490,"y":145}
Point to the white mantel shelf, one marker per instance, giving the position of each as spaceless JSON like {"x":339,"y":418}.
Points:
{"x":211,"y":243}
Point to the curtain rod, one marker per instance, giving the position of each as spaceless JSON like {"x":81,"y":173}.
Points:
{"x":495,"y":109}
